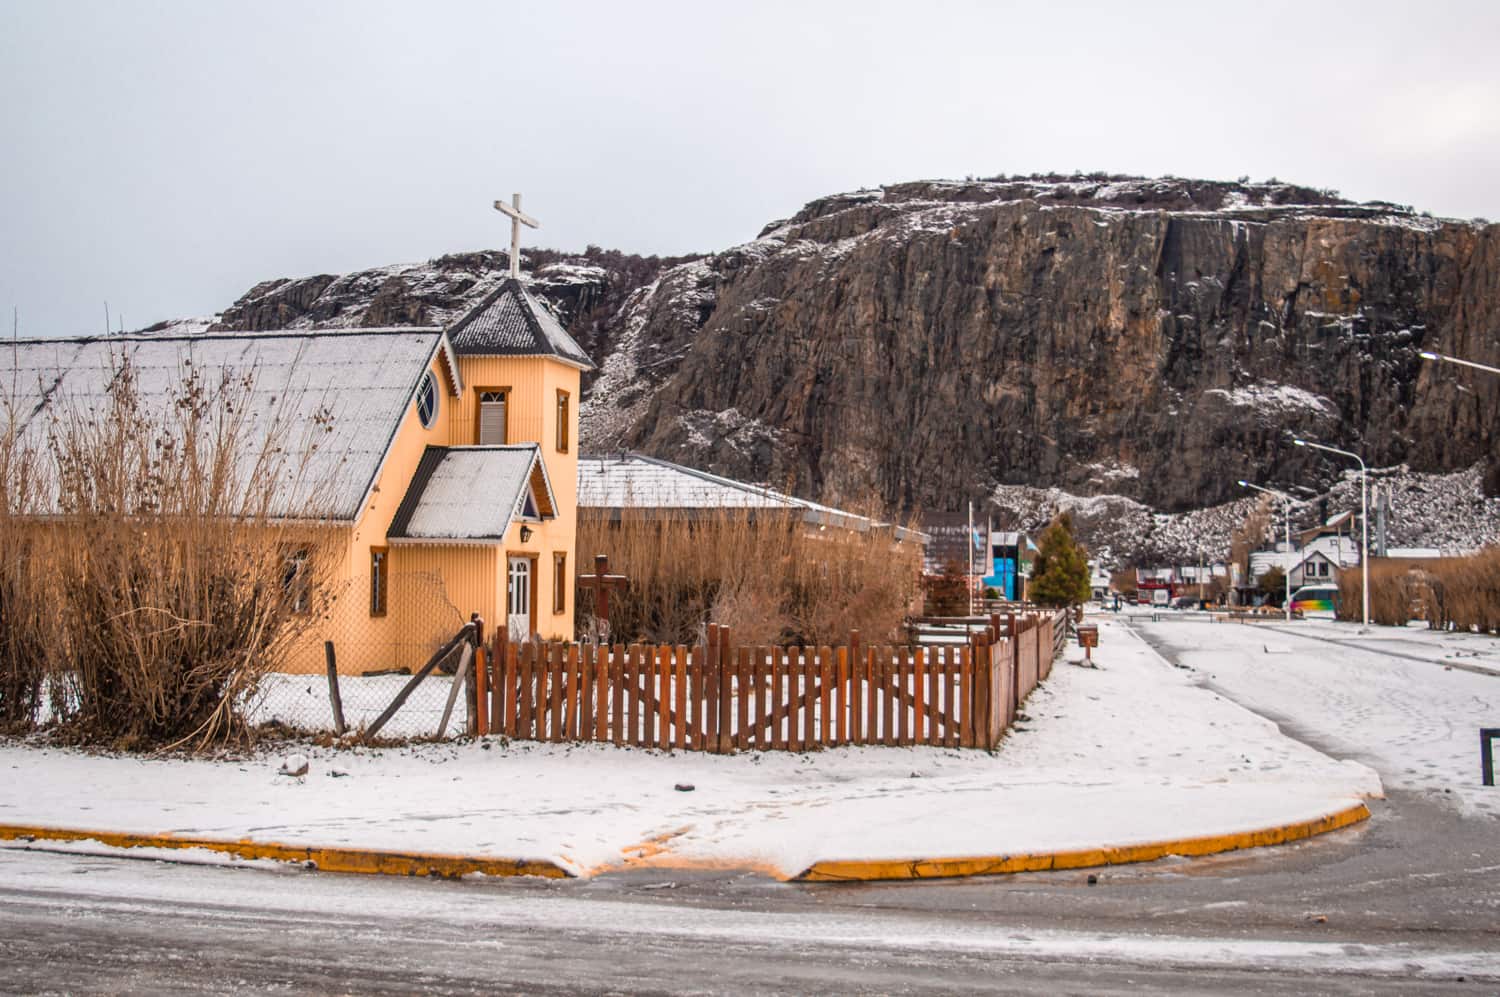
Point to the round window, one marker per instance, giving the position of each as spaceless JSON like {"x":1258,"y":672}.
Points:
{"x":427,"y":400}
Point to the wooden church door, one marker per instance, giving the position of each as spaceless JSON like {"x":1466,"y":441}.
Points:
{"x":522,"y":581}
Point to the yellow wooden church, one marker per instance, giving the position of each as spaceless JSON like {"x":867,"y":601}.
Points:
{"x":447,"y":454}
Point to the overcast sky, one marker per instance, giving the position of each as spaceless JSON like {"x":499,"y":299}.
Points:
{"x":166,"y":156}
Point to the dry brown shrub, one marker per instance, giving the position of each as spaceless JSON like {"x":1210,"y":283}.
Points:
{"x":1453,"y":592}
{"x":168,"y":551}
{"x":23,"y":596}
{"x":768,"y":575}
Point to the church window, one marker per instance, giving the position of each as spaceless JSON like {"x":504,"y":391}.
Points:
{"x":427,"y":400}
{"x":491,"y":427}
{"x":296,"y":580}
{"x":379,"y":580}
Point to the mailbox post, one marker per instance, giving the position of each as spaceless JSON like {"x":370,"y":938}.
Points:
{"x":1088,"y":639}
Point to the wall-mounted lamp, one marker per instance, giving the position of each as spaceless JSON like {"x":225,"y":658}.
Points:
{"x":525,"y":533}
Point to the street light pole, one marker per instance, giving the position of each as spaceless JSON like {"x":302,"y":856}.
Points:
{"x":1429,"y":355}
{"x":1286,"y":506}
{"x":1364,"y":515}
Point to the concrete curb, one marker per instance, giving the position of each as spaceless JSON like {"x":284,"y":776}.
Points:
{"x":359,"y":860}
{"x":392,"y":863}
{"x":996,"y":865}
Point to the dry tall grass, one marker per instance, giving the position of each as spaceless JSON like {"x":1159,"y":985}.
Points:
{"x":23,"y":609}
{"x":157,"y":564}
{"x":768,"y":575}
{"x":1454,"y":592}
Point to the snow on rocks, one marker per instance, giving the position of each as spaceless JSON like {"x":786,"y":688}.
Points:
{"x":1447,"y":512}
{"x":1274,"y":398}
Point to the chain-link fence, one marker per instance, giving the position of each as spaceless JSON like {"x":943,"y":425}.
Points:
{"x":376,"y":656}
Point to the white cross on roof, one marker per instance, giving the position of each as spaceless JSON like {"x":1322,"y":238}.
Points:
{"x":517,"y":219}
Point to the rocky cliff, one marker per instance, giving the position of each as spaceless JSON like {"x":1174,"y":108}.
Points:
{"x":931,"y":343}
{"x":1154,"y":339}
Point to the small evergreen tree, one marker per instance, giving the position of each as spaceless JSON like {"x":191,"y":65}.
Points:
{"x":1060,"y":571}
{"x":1273,"y":585}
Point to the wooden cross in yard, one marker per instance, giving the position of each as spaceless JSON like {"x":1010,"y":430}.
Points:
{"x":517,"y":219}
{"x":601,"y":581}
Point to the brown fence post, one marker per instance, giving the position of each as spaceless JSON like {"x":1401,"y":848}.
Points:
{"x":711,"y":689}
{"x":855,"y":696}
{"x":500,"y":697}
{"x":1014,"y":664}
{"x":478,"y":694}
{"x":697,"y":666}
{"x":982,"y":704}
{"x":725,"y":705}
{"x":474,"y":691}
{"x":335,"y":700}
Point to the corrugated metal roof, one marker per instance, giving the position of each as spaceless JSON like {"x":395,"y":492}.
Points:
{"x":511,"y":322}
{"x":361,"y":380}
{"x":469,"y":494}
{"x":633,"y":481}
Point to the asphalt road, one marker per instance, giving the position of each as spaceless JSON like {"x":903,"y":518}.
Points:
{"x":1407,"y":903}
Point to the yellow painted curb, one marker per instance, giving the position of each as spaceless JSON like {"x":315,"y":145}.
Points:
{"x":361,"y":860}
{"x":995,"y":865}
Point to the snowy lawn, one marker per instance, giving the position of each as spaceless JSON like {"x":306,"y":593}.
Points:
{"x":1127,"y":753}
{"x":301,"y":702}
{"x":1408,"y":701}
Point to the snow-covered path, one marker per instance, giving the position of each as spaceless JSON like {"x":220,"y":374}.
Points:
{"x":1400,"y":700}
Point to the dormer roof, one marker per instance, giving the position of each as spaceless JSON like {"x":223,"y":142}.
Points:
{"x":471,"y":495}
{"x":511,"y":322}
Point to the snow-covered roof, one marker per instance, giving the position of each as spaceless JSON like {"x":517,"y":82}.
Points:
{"x":332,"y":399}
{"x":633,"y":481}
{"x":511,"y":322}
{"x":471,"y":494}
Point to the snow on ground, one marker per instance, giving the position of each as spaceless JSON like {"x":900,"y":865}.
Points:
{"x":1127,"y":753}
{"x":1386,"y":697}
{"x":301,"y":702}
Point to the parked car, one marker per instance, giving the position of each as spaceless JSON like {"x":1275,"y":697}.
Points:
{"x":1316,"y":601}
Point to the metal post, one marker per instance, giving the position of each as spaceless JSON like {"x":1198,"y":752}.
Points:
{"x":1487,"y":736}
{"x":1364,"y":514}
{"x":1364,"y":525}
{"x":1287,"y":576}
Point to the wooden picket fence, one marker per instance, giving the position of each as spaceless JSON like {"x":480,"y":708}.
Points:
{"x":720,"y":697}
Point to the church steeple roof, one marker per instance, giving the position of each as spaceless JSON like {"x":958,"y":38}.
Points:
{"x":511,"y":322}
